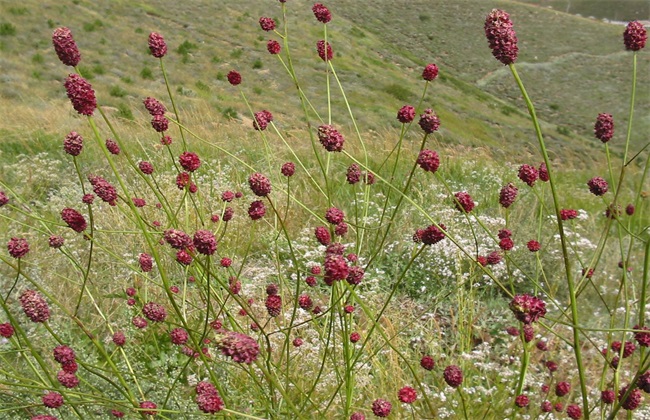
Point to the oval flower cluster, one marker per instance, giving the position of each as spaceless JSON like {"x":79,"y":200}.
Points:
{"x":528,"y":309}
{"x":501,"y":37}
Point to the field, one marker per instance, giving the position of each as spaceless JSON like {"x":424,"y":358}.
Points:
{"x":294,"y":250}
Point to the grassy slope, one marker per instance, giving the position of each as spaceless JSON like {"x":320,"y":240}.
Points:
{"x":373,"y":53}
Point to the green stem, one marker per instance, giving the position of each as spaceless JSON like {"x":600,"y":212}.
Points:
{"x":563,"y":240}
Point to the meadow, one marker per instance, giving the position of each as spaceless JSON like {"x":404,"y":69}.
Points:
{"x":225,"y":218}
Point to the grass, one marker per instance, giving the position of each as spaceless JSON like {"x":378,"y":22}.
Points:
{"x":414,"y":299}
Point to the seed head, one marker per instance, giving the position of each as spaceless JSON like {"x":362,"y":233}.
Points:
{"x":160,"y":123}
{"x":633,"y":399}
{"x":562,"y":388}
{"x":179,"y":336}
{"x":154,"y":106}
{"x":66,"y":47}
{"x":607,"y":396}
{"x":81,"y":94}
{"x":34,"y":306}
{"x":604,"y":127}
{"x":273,"y":305}
{"x":157,"y":45}
{"x":635,"y":36}
{"x":177,"y":239}
{"x":355,"y":275}
{"x":502,"y":39}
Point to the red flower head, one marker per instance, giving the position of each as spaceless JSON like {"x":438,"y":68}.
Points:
{"x":353,"y":174}
{"x":149,"y":408}
{"x":527,"y":309}
{"x":145,"y":167}
{"x":463,"y":202}
{"x":528,"y":174}
{"x":501,"y":37}
{"x":334,"y":215}
{"x":189,"y":161}
{"x":453,"y":376}
{"x":522,"y":401}
{"x":239,"y":347}
{"x":154,"y":312}
{"x":103,"y":189}
{"x":323,"y":235}
{"x":429,"y":160}
{"x":52,"y":400}
{"x":267,"y":24}
{"x":18,"y":247}
{"x":429,"y":121}
{"x":234,"y":78}
{"x":604,"y":127}
{"x":146,"y":262}
{"x":330,"y":138}
{"x":179,"y":336}
{"x":273,"y":305}
{"x":273,"y":47}
{"x":406,"y":114}
{"x":430,"y":72}
{"x":259,"y":184}
{"x":34,"y":306}
{"x":262,"y":120}
{"x":322,"y":13}
{"x":157,"y":45}
{"x":635,"y":36}
{"x":507,"y":195}
{"x":112,"y":146}
{"x":160,"y":123}
{"x":74,"y":219}
{"x":66,"y":47}
{"x":321,"y":48}
{"x":288,"y":169}
{"x":81,"y":94}
{"x":154,"y":106}
{"x":205,"y":242}
{"x":407,"y":395}
{"x":597,"y":185}
{"x":6,"y":330}
{"x":381,"y":407}
{"x":208,"y":399}
{"x":256,"y":210}
{"x":427,"y":362}
{"x":533,"y":245}
{"x":568,"y":214}
{"x":432,"y":235}
{"x":573,"y":411}
{"x":73,"y":143}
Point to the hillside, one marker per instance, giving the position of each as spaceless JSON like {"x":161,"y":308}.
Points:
{"x":573,"y":67}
